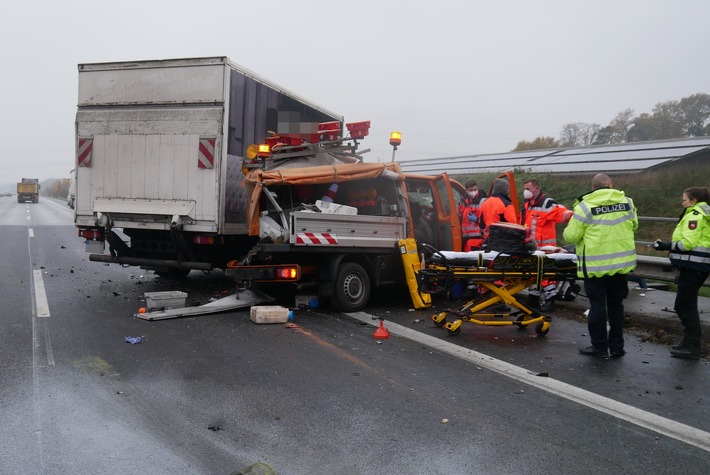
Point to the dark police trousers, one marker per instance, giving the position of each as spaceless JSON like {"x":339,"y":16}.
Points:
{"x":606,"y":296}
{"x":686,"y":303}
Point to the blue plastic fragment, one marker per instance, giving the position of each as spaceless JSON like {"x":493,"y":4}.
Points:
{"x":133,"y":339}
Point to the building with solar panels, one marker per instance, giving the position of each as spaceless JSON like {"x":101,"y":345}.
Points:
{"x":617,"y":159}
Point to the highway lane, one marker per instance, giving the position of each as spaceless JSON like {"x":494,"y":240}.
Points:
{"x":213,"y":394}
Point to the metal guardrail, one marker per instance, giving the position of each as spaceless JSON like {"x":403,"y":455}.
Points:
{"x":655,"y":268}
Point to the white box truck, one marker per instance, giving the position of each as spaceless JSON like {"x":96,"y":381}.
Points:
{"x":162,"y":148}
{"x":158,"y":147}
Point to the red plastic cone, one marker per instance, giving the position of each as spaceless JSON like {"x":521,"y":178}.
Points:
{"x":381,"y":333}
{"x":330,"y":194}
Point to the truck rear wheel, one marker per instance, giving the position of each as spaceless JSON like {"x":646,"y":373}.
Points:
{"x":352,"y":288}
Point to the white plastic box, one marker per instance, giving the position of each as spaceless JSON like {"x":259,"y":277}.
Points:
{"x":269,"y":314}
{"x":335,"y":208}
{"x":165,"y":300}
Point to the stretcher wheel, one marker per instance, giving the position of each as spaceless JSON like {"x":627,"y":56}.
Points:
{"x":439,"y":319}
{"x":454,"y":332}
{"x":541,"y":330}
{"x":440,"y":323}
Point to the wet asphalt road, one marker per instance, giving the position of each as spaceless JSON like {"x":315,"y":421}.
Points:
{"x":214,"y":394}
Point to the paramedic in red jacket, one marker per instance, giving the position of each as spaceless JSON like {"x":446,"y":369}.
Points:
{"x":498,"y":207}
{"x":470,"y":214}
{"x":540,"y":213}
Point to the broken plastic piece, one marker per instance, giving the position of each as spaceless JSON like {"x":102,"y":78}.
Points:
{"x":133,"y":339}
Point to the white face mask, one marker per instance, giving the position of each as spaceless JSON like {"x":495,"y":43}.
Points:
{"x":473,"y":194}
{"x":527,"y":194}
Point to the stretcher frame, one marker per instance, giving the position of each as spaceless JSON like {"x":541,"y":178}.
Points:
{"x":497,"y":281}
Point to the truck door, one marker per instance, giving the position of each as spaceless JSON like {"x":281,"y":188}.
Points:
{"x":437,"y":200}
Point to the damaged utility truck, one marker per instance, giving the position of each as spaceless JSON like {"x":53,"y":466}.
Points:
{"x":168,"y":178}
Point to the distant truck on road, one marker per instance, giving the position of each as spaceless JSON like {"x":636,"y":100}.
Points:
{"x":28,"y":190}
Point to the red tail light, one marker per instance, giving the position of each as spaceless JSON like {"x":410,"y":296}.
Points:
{"x":208,"y":240}
{"x":92,"y":234}
{"x":287,"y":273}
{"x":276,"y":273}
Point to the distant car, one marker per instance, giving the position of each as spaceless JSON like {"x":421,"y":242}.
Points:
{"x":5,"y":193}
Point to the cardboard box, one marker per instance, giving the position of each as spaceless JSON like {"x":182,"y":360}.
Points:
{"x":269,"y":314}
{"x":165,"y":300}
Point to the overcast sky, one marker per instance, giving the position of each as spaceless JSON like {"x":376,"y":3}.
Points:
{"x":455,"y":77}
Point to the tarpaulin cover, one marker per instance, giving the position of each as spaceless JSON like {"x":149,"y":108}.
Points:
{"x":257,"y":179}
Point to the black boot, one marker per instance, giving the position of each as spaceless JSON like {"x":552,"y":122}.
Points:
{"x":682,"y":345}
{"x":691,"y":351}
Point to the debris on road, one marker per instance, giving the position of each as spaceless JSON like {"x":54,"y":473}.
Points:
{"x":133,"y":340}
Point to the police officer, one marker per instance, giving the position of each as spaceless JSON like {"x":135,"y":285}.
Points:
{"x":690,"y":252}
{"x":470,"y":213}
{"x":602,"y":229}
{"x":540,"y":213}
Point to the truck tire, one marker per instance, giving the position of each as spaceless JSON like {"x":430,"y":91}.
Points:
{"x":352,"y":288}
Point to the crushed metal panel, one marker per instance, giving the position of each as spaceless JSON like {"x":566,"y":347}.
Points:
{"x":245,"y":298}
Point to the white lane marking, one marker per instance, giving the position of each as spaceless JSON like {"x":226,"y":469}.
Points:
{"x":29,"y":218}
{"x":48,"y":345}
{"x":676,"y":430}
{"x":59,"y":205}
{"x":41,"y":303}
{"x":32,"y":233}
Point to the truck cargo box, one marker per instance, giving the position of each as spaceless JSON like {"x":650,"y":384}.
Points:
{"x":161,"y":141}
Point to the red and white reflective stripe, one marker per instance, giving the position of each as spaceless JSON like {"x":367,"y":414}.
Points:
{"x":205,"y":156}
{"x":83,"y":152}
{"x":316,"y":238}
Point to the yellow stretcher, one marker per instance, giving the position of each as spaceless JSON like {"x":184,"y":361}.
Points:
{"x":496,"y":278}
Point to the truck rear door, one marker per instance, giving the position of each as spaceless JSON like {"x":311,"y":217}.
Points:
{"x":149,"y":143}
{"x":439,"y":203}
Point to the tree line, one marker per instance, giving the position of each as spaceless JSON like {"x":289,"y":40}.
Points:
{"x":56,"y":188}
{"x":688,"y":117}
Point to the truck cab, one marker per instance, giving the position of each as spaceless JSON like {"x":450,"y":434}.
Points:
{"x":336,"y":229}
{"x":438,"y":198}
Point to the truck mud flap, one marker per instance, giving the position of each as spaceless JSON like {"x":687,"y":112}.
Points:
{"x":245,"y":298}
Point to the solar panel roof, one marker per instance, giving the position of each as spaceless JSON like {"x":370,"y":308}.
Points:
{"x":627,"y":157}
